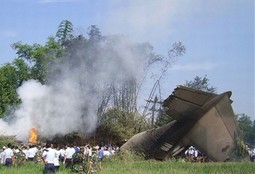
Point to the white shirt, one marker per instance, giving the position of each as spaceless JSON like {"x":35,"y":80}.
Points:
{"x":2,"y":157}
{"x":62,"y":152}
{"x":85,"y":150}
{"x":107,"y":153}
{"x":8,"y":153}
{"x":89,"y":151}
{"x":49,"y":155}
{"x":253,"y":152}
{"x":56,"y":160}
{"x":69,"y":152}
{"x":31,"y":152}
{"x":25,"y":151}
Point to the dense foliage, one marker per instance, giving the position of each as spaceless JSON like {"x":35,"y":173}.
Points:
{"x":201,"y":83}
{"x":119,"y":125}
{"x":247,"y":129}
{"x":5,"y":140}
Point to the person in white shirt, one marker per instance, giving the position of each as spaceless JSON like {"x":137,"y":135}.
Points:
{"x":62,"y":154}
{"x":107,"y":153}
{"x":25,"y":151}
{"x":252,"y":154}
{"x":8,"y":156}
{"x":2,"y":156}
{"x":48,"y":157}
{"x":31,"y":152}
{"x":70,"y":151}
{"x":89,"y":152}
{"x":56,"y":160}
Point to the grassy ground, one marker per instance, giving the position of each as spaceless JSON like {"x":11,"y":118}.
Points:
{"x":177,"y":167}
{"x":116,"y":166}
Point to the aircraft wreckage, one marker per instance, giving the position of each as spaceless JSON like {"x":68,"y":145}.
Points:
{"x":201,"y":119}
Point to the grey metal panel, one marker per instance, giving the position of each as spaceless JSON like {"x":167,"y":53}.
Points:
{"x":196,"y":97}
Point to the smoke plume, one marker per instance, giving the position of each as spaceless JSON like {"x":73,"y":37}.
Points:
{"x":70,"y":100}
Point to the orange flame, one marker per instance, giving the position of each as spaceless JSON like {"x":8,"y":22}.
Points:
{"x":33,"y":135}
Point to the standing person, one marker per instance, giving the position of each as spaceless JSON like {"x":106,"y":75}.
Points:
{"x":32,"y":152}
{"x":8,"y":156}
{"x":62,"y":153}
{"x":89,"y":152}
{"x":76,"y":148}
{"x":56,"y":160}
{"x":70,"y":151}
{"x":25,"y":151}
{"x":85,"y":152}
{"x":100,"y":154}
{"x":2,"y":156}
{"x":48,"y":157}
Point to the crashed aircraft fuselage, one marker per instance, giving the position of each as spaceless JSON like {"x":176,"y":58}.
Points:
{"x":201,"y":119}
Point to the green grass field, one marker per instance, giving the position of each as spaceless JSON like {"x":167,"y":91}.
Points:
{"x":126,"y":166}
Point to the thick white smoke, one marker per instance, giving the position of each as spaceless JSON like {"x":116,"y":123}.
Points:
{"x":69,"y":101}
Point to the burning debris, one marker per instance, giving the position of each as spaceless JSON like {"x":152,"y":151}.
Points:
{"x":33,"y":135}
{"x":203,"y":120}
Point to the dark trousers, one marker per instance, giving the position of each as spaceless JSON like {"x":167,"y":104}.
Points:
{"x":68,"y":162}
{"x":57,"y":168}
{"x":8,"y":162}
{"x":49,"y":168}
{"x":31,"y":159}
{"x":61,"y":158}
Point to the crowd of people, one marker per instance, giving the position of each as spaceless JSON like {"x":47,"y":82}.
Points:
{"x":73,"y":157}
{"x":76,"y":158}
{"x":194,"y":155}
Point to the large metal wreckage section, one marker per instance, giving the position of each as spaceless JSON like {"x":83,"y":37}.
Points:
{"x":201,"y":119}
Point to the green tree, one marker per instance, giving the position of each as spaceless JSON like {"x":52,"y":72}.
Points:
{"x":38,"y":58}
{"x":33,"y":62}
{"x":23,"y":71}
{"x":201,"y":83}
{"x":8,"y":85}
{"x":247,"y":129}
{"x":117,"y":125}
{"x":32,"y":55}
{"x":65,"y":32}
{"x":94,"y":33}
{"x":162,"y":118}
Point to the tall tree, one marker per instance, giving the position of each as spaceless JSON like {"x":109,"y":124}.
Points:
{"x":246,"y":126}
{"x":177,"y":50}
{"x":38,"y":57}
{"x":8,"y":85}
{"x":94,"y":33}
{"x":201,"y":83}
{"x":65,"y":32}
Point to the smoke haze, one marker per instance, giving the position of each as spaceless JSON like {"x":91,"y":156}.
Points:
{"x":70,"y":100}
